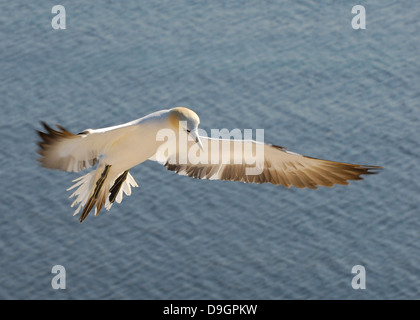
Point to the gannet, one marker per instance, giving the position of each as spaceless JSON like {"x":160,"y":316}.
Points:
{"x":115,"y":150}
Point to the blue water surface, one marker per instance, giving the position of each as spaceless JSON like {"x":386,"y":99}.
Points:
{"x":296,"y":69}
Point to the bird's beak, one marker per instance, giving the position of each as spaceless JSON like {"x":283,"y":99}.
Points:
{"x":196,"y":138}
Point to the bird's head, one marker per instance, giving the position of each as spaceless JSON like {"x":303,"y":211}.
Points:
{"x":187,"y":120}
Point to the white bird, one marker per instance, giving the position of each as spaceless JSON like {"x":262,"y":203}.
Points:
{"x":117,"y":149}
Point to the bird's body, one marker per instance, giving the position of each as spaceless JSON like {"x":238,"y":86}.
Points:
{"x":133,"y":142}
{"x":157,"y":136}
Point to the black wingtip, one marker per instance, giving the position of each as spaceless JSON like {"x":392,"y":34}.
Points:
{"x":373,"y":169}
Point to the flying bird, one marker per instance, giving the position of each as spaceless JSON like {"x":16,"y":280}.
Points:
{"x":115,"y":150}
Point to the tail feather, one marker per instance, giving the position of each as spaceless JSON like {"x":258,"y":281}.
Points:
{"x":85,"y":185}
{"x":115,"y":189}
{"x":98,"y":189}
{"x":121,"y":185}
{"x":97,"y":198}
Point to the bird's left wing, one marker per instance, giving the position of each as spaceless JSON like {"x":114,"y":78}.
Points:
{"x":232,"y":160}
{"x":63,"y":150}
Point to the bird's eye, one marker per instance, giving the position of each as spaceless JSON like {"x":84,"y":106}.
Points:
{"x":188,"y":130}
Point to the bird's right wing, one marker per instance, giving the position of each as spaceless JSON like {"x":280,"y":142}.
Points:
{"x":63,"y":150}
{"x":223,"y":159}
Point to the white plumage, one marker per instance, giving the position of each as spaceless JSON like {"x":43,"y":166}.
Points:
{"x":114,"y":150}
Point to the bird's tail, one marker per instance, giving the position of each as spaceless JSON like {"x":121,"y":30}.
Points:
{"x":100,"y":188}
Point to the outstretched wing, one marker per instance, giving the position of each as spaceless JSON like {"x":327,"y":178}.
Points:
{"x":273,"y":164}
{"x":63,"y":150}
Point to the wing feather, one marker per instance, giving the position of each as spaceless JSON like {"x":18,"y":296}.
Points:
{"x":63,"y":150}
{"x":279,"y":166}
